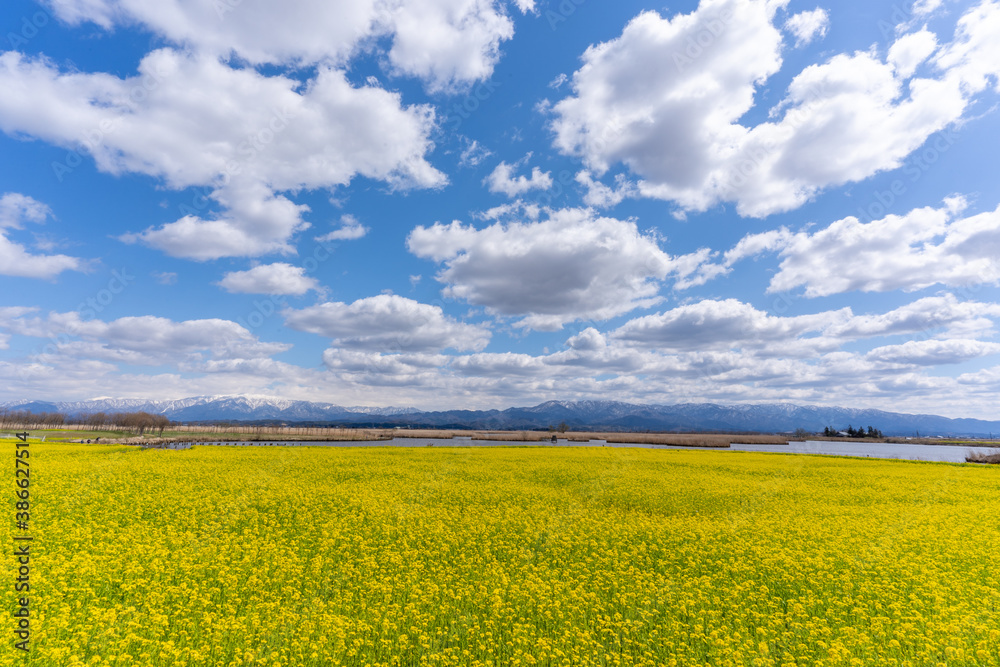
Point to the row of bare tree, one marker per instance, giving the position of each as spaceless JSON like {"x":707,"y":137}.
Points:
{"x":136,"y":422}
{"x":133,"y":422}
{"x":10,"y":419}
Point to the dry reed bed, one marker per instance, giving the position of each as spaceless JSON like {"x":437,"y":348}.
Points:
{"x":696,"y":439}
{"x":681,"y":439}
{"x":323,"y":435}
{"x":955,"y":442}
{"x":982,"y":457}
{"x":287,"y":432}
{"x":203,"y":433}
{"x":271,"y":435}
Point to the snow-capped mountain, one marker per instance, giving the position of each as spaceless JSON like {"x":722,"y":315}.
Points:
{"x":580,"y":415}
{"x":208,"y":408}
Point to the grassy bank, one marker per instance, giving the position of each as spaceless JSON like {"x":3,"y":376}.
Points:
{"x":262,"y":433}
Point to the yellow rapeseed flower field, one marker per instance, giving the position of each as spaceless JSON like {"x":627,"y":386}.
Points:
{"x":505,"y":556}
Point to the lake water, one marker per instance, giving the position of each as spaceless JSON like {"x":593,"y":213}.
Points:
{"x":948,"y":453}
{"x":879,"y":450}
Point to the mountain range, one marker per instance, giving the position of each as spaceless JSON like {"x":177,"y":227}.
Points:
{"x":578,"y":415}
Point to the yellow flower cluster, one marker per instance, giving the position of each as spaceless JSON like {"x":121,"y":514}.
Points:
{"x":507,"y":556}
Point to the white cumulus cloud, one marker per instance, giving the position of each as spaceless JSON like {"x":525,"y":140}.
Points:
{"x":15,"y":259}
{"x":447,"y":43}
{"x":502,"y":179}
{"x":574,"y":265}
{"x":667,"y":96}
{"x":600,"y":195}
{"x":349,"y":230}
{"x":933,"y":352}
{"x":723,"y":324}
{"x":924,"y":247}
{"x":15,"y":209}
{"x":142,"y":340}
{"x":935,"y":316}
{"x":806,"y":26}
{"x":733,"y":324}
{"x":277,"y":278}
{"x":254,"y":137}
{"x":909,"y":51}
{"x":388,"y":323}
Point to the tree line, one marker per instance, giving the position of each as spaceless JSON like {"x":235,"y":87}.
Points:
{"x":131,"y":422}
{"x":852,"y":432}
{"x":30,"y":420}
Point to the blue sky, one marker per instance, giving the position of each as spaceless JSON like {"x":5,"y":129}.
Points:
{"x":475,"y":203}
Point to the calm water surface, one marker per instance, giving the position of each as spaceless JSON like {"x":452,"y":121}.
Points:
{"x":949,"y":453}
{"x":881,"y":450}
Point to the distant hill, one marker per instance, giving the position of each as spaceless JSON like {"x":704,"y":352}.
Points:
{"x":580,"y":415}
{"x":762,"y":418}
{"x":215,"y":408}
